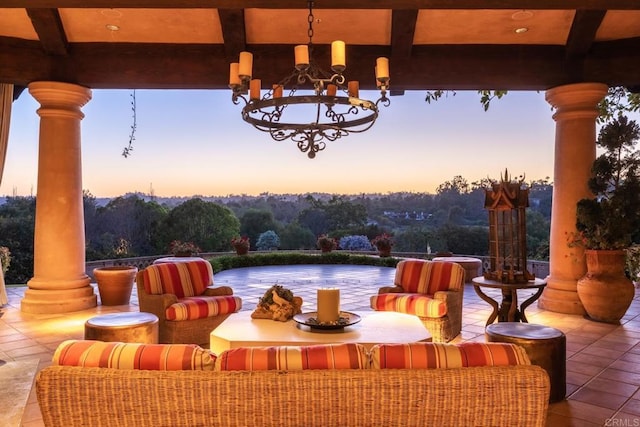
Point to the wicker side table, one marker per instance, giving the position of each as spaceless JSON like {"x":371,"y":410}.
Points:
{"x":136,"y":327}
{"x":545,"y":346}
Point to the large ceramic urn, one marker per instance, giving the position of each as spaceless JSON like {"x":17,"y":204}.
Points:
{"x":605,"y":291}
{"x":115,"y":283}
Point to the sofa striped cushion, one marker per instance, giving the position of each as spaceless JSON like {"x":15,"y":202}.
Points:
{"x":191,"y":308}
{"x":183,"y":279}
{"x":441,"y":355}
{"x":152,"y":357}
{"x":428,"y":277}
{"x":329,"y":356}
{"x":416,"y":304}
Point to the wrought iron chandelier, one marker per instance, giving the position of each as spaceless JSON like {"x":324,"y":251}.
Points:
{"x":333,"y":115}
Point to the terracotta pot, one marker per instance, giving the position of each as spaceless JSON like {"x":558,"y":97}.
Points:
{"x":115,"y":283}
{"x":241,"y":250}
{"x":384,"y":252}
{"x":605,"y":292}
{"x":183,"y":254}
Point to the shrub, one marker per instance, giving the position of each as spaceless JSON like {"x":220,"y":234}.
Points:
{"x":355,"y":243}
{"x":268,"y":241}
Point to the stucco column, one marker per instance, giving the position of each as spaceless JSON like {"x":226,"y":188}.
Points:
{"x":575,"y":151}
{"x":59,"y":283}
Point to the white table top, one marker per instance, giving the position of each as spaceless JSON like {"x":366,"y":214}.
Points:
{"x":240,"y":330}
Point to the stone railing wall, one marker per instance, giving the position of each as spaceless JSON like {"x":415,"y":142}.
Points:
{"x":538,"y":268}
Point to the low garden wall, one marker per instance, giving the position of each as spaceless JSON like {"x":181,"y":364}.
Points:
{"x":537,"y":268}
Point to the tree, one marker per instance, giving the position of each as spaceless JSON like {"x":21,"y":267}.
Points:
{"x":338,"y":213}
{"x":464,"y":240}
{"x":17,"y":225}
{"x":126,"y":226}
{"x":315,"y":219}
{"x":294,"y":236}
{"x":254,"y":222}
{"x":209,"y":225}
{"x":411,"y":240}
{"x":540,"y":196}
{"x":538,"y":229}
{"x":344,"y":214}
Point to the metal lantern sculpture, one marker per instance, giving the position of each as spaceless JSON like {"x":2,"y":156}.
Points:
{"x":506,"y":202}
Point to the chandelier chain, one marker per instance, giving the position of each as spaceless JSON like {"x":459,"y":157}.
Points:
{"x":310,"y":19}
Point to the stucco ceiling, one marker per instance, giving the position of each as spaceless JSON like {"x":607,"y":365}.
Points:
{"x":432,"y":44}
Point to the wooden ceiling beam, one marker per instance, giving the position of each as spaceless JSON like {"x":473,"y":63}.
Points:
{"x":581,"y":37}
{"x":48,"y":26}
{"x":233,"y":32}
{"x":403,"y":28}
{"x":583,"y":31}
{"x":332,"y":4}
{"x":179,"y":66}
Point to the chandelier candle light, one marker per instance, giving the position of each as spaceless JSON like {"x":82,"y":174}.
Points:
{"x":332,"y":115}
{"x":328,"y":305}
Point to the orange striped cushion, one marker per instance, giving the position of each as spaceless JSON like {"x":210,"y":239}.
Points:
{"x":200,"y":307}
{"x":427,"y":277}
{"x":416,"y":304}
{"x":117,"y":355}
{"x":329,"y":356}
{"x":440,"y":355}
{"x":183,"y":279}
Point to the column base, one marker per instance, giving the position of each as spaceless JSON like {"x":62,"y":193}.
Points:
{"x":38,"y":301}
{"x":561,"y":300}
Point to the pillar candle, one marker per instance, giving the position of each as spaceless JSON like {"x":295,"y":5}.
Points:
{"x":301,"y":54}
{"x":246,"y":64}
{"x":277,"y":91}
{"x":254,"y":89}
{"x":338,"y":61}
{"x":331,"y":90}
{"x":234,"y":74}
{"x":328,"y":305}
{"x":382,"y":69}
{"x":353,"y":89}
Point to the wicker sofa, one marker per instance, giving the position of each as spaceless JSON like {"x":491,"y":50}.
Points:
{"x":330,"y":385}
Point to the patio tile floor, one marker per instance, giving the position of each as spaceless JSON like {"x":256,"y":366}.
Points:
{"x":603,"y":361}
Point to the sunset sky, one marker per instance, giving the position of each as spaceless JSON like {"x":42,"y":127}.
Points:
{"x":195,"y":143}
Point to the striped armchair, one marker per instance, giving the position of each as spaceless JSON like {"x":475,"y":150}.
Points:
{"x":430,"y":290}
{"x":182,"y":295}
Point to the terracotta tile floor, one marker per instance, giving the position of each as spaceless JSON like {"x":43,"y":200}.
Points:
{"x":603,"y":360}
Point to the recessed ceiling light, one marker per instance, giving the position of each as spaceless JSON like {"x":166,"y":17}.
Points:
{"x":521,"y":30}
{"x":521,"y":15}
{"x":112,"y":27}
{"x":111,"y":13}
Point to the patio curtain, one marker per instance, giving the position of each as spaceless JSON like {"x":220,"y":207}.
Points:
{"x":6,"y":98}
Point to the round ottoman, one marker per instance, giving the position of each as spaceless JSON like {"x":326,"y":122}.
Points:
{"x":123,"y":327}
{"x":545,"y":346}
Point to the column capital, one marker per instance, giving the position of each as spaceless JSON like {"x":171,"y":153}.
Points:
{"x":577,"y":100}
{"x":60,"y":98}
